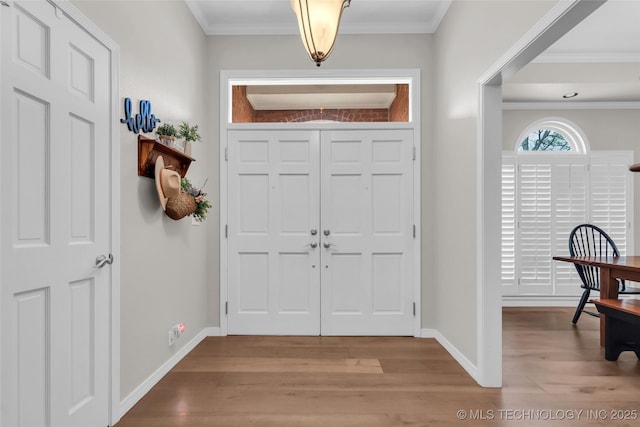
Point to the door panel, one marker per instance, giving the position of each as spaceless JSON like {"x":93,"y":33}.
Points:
{"x":273,"y":204}
{"x":55,"y":157}
{"x":367,"y":208}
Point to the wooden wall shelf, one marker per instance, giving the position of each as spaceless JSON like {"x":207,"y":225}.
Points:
{"x":149,"y":150}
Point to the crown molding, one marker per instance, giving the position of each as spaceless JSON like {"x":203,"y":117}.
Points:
{"x":571,"y":105}
{"x":197,"y":13}
{"x":587,"y":58}
{"x":291,"y":27}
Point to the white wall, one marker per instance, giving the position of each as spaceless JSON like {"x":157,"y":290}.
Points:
{"x":606,"y":129}
{"x":471,"y":38}
{"x":163,"y":281}
{"x":351,"y":52}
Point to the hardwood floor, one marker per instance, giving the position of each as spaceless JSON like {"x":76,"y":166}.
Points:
{"x":554,"y":375}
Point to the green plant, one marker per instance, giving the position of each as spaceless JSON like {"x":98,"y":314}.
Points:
{"x":188,"y":132}
{"x":202,"y":204}
{"x":167,"y":129}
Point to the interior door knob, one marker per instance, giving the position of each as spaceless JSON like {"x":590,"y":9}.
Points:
{"x":327,"y":232}
{"x":313,"y":245}
{"x":327,"y":245}
{"x":101,"y":260}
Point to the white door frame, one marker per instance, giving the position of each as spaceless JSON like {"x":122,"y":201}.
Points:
{"x":229,"y":78}
{"x":557,"y":22}
{"x":114,"y":57}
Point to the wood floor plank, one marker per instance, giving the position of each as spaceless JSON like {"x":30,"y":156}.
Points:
{"x":273,"y":364}
{"x":551,"y":369}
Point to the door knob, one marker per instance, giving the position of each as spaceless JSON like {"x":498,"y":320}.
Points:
{"x":327,"y":245}
{"x":101,"y":260}
{"x":313,"y":231}
{"x":327,"y":232}
{"x":312,"y":245}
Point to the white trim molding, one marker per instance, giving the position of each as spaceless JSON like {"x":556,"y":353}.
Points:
{"x":587,"y":58}
{"x":276,"y":23}
{"x":229,"y":78}
{"x":539,"y":301}
{"x":571,"y":105}
{"x":459,"y":357}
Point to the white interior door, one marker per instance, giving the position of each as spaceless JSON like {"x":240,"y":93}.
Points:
{"x":274,"y":285}
{"x":320,"y":232}
{"x":367,"y":223}
{"x":55,"y":216}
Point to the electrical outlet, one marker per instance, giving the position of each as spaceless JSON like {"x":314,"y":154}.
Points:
{"x":172,"y":338}
{"x":175,"y":332}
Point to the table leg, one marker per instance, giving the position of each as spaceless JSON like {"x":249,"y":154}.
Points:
{"x":608,"y":290}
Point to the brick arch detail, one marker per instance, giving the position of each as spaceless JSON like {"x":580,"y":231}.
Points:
{"x":335,"y":115}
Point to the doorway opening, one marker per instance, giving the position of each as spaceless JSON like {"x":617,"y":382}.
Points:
{"x":265,"y":103}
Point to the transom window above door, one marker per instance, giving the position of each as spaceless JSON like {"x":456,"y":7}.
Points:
{"x":320,"y":103}
{"x":293,"y":102}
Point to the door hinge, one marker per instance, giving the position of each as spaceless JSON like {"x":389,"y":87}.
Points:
{"x":226,"y":154}
{"x":414,"y":309}
{"x":414,"y":231}
{"x":226,"y":307}
{"x":226,"y":231}
{"x":414,"y":153}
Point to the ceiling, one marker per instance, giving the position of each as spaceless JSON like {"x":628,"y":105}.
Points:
{"x":599,"y":59}
{"x":302,"y":97}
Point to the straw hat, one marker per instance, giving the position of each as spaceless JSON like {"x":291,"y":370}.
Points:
{"x":167,"y":182}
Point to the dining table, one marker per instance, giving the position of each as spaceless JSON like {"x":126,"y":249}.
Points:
{"x":612,"y":269}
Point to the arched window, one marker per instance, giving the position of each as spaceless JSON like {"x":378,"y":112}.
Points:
{"x":552,"y":135}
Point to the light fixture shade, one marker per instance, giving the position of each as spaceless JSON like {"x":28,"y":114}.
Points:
{"x":319,"y":21}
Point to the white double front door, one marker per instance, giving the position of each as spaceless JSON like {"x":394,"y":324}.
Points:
{"x":320,"y":232}
{"x":55,"y":220}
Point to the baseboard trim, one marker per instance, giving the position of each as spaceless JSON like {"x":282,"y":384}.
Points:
{"x":540,"y":301}
{"x":427,"y":333}
{"x":213,"y":331}
{"x":466,"y":364}
{"x":128,"y":402}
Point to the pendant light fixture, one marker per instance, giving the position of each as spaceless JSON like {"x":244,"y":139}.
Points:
{"x":319,"y":21}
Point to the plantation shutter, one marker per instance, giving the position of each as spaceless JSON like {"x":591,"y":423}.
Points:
{"x":534,"y":226}
{"x":508,"y":253}
{"x":570,"y":209}
{"x":543,"y":198}
{"x":610,"y":196}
